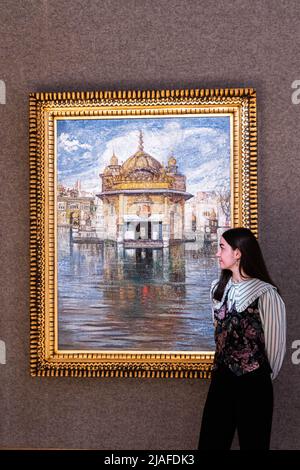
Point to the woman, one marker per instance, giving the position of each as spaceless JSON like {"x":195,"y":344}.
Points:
{"x":250,"y":334}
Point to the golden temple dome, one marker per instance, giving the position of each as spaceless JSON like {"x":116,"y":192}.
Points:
{"x":141,"y":161}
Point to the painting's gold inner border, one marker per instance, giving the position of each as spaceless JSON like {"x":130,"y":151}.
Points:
{"x":46,"y":358}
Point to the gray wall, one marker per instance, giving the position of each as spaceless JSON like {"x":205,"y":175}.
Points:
{"x":139,"y":44}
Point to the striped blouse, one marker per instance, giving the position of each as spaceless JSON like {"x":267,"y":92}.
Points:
{"x":271,"y":309}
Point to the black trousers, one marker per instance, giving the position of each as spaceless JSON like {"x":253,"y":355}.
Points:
{"x":244,"y":403}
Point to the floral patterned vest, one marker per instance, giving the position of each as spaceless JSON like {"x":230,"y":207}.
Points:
{"x":239,"y":337}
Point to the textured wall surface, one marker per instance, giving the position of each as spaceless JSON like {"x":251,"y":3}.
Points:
{"x":140,"y":44}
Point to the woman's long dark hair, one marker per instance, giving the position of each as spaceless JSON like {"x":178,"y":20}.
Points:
{"x":251,"y":262}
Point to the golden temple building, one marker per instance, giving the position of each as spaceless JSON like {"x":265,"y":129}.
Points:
{"x":143,"y":200}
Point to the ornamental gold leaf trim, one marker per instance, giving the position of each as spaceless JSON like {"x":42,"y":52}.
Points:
{"x":47,"y":107}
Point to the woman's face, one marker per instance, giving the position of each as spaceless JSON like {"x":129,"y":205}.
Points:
{"x":227,"y":256}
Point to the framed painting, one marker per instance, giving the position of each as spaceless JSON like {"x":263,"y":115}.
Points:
{"x":130,"y":192}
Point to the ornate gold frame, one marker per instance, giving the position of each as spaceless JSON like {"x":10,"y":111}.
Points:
{"x":46,"y":360}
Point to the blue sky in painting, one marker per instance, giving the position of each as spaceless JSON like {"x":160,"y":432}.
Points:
{"x":201,"y":146}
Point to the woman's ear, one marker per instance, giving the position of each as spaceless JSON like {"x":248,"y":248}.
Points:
{"x":237,"y":253}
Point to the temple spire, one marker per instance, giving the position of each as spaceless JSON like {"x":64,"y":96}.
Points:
{"x":114,"y":159}
{"x":141,"y":145}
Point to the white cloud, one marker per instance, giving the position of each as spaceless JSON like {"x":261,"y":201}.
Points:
{"x":200,"y":179}
{"x":69,"y":144}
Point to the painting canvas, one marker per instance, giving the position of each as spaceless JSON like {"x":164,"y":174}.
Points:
{"x":130,"y":193}
{"x":140,"y":206}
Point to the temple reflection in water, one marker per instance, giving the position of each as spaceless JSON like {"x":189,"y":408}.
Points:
{"x":133,"y":299}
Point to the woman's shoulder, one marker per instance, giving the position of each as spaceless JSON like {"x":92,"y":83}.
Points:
{"x":262,"y":287}
{"x":270,"y":293}
{"x":251,"y":290}
{"x":252,"y":284}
